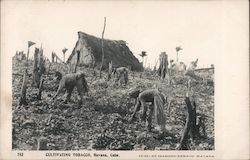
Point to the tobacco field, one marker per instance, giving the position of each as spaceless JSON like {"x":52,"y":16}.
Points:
{"x":101,"y":122}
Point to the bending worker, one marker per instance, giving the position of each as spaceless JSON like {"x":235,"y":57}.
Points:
{"x":157,"y":100}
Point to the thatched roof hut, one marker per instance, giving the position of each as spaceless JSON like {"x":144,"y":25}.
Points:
{"x":91,"y":53}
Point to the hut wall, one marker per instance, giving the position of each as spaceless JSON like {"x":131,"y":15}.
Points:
{"x":86,"y":57}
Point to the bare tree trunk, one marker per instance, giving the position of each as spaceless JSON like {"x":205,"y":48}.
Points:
{"x":41,"y":64}
{"x":169,"y":76}
{"x":110,"y":70}
{"x":193,"y":132}
{"x":102,"y":47}
{"x":36,"y":74}
{"x":27,"y":58}
{"x":23,"y":100}
{"x":163,"y":68}
{"x":177,"y":58}
{"x":39,"y":97}
{"x":52,"y":57}
{"x":189,"y":126}
{"x":156,"y":62}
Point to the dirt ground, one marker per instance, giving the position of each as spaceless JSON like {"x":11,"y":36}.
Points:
{"x":101,"y":122}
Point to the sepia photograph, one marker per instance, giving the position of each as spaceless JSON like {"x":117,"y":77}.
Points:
{"x":118,"y":76}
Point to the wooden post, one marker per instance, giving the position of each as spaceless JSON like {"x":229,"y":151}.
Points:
{"x":27,"y":58}
{"x":23,"y":100}
{"x":110,"y":70}
{"x":102,"y":47}
{"x":36,"y":73}
{"x":41,"y":64}
{"x":39,"y":97}
{"x":52,"y":57}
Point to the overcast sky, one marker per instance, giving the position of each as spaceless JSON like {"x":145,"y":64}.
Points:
{"x":152,"y":26}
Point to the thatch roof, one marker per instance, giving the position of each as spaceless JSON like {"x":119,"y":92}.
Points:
{"x":114,"y":50}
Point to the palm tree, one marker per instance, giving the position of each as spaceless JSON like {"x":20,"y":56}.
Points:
{"x":64,"y":51}
{"x":143,"y":54}
{"x":178,"y":48}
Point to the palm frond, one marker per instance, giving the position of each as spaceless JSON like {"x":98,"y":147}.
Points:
{"x":178,"y":48}
{"x":64,"y":50}
{"x":143,"y":54}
